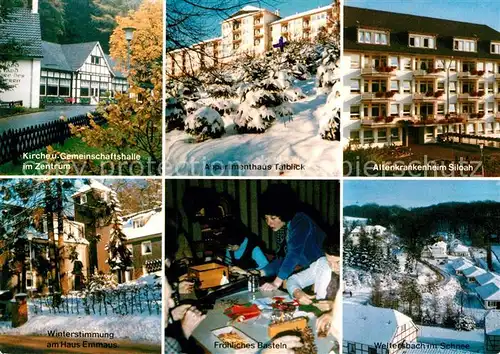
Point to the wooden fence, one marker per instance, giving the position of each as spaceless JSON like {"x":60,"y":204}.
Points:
{"x":15,"y":142}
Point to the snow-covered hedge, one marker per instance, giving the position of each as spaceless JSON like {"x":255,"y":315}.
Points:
{"x":204,"y":123}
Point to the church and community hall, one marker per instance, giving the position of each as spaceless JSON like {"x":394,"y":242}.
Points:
{"x":79,"y":73}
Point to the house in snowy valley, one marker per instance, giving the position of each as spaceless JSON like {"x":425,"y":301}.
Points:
{"x":375,"y":330}
{"x":435,"y":251}
{"x":371,"y":231}
{"x":456,"y":248}
{"x":52,"y":72}
{"x":33,"y":271}
{"x":472,"y":272}
{"x":492,"y":332}
{"x":460,"y":264}
{"x":489,"y":295}
{"x":144,"y":240}
{"x":251,"y":30}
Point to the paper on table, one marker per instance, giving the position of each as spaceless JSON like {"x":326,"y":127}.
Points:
{"x":264,"y":303}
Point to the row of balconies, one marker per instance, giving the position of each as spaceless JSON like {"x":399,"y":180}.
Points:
{"x":386,"y":71}
{"x":428,"y":96}
{"x":436,"y":119}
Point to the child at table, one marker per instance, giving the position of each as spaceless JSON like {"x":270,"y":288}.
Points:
{"x":244,"y":251}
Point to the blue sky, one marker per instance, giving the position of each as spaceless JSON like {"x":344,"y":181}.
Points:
{"x":411,"y":193}
{"x":477,"y":11}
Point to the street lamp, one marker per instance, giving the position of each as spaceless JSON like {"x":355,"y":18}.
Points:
{"x":129,"y":35}
{"x":30,"y":238}
{"x":481,"y":147}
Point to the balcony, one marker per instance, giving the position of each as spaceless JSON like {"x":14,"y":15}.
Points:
{"x":381,"y":71}
{"x":472,"y":75}
{"x":497,"y":117}
{"x":377,"y":96}
{"x":236,"y":39}
{"x":427,"y":74}
{"x":381,"y":122}
{"x":470,"y":96}
{"x":258,"y":24}
{"x":430,"y":96}
{"x":258,"y":34}
{"x":472,"y":117}
{"x":437,"y":119}
{"x":497,"y":96}
{"x":497,"y":76}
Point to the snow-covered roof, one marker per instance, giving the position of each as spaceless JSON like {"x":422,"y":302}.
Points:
{"x":473,"y":272}
{"x":458,"y":248}
{"x":154,"y":225}
{"x":461,"y":264}
{"x":440,"y":244}
{"x":369,"y":229}
{"x":490,"y":291}
{"x":487,"y":277}
{"x":301,"y":14}
{"x":492,"y":323}
{"x":92,"y":185}
{"x":368,"y":325}
{"x":245,"y":11}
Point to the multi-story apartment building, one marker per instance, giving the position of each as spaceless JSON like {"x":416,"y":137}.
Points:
{"x":409,"y":78}
{"x":251,"y":30}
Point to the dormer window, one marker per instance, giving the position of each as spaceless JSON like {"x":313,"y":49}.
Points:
{"x":495,"y":47}
{"x":83,"y":199}
{"x":138,"y":223}
{"x":465,"y":45}
{"x":373,"y":37}
{"x":422,"y":41}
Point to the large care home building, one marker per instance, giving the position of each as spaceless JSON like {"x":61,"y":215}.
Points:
{"x":71,"y":73}
{"x":409,"y":78}
{"x":251,"y":30}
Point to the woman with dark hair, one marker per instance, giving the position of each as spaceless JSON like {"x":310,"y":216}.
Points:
{"x":302,"y":243}
{"x":243,"y":250}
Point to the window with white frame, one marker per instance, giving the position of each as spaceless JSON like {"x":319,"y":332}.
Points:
{"x":490,"y":107}
{"x":30,"y":281}
{"x":453,"y":65}
{"x":407,"y":110}
{"x":422,"y":41}
{"x":83,"y":199}
{"x":394,"y":62}
{"x":489,"y":67}
{"x":440,"y":109}
{"x":373,"y":37}
{"x":354,"y":111}
{"x":453,"y":86}
{"x":464,"y":45}
{"x":489,"y":87}
{"x":368,"y":135}
{"x":453,"y":108}
{"x":407,"y":86}
{"x":394,"y":109}
{"x":382,"y":135}
{"x":406,"y":63}
{"x":355,"y":85}
{"x":495,"y":47}
{"x":394,"y":85}
{"x":146,"y":248}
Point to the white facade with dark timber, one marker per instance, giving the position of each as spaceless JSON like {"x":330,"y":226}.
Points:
{"x":80,"y":73}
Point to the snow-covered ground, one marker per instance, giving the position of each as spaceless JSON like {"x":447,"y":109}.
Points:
{"x":356,"y":220}
{"x":134,"y":328}
{"x":287,"y":142}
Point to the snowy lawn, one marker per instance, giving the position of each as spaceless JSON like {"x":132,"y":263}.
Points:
{"x":134,"y":328}
{"x":295,"y":141}
{"x":437,"y":335}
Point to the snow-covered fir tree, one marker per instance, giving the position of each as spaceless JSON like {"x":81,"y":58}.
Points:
{"x":119,"y":256}
{"x":204,"y":123}
{"x":175,"y":112}
{"x":465,"y":323}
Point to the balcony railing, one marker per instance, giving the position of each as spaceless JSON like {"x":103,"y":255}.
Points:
{"x":382,"y":96}
{"x":378,"y":71}
{"x":497,"y":96}
{"x":472,"y":117}
{"x":428,"y":96}
{"x":473,"y":74}
{"x":497,"y":76}
{"x":427,"y":73}
{"x":471,"y":96}
{"x":381,"y":121}
{"x":497,"y":117}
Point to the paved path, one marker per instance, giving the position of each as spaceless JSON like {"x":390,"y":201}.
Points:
{"x":12,"y":344}
{"x":49,"y":114}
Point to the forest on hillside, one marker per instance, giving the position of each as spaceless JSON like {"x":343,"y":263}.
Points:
{"x":477,"y":223}
{"x":76,"y":21}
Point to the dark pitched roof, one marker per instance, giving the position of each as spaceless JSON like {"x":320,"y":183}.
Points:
{"x":402,"y":24}
{"x":77,"y":53}
{"x":53,"y":57}
{"x":23,"y":27}
{"x":113,"y":66}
